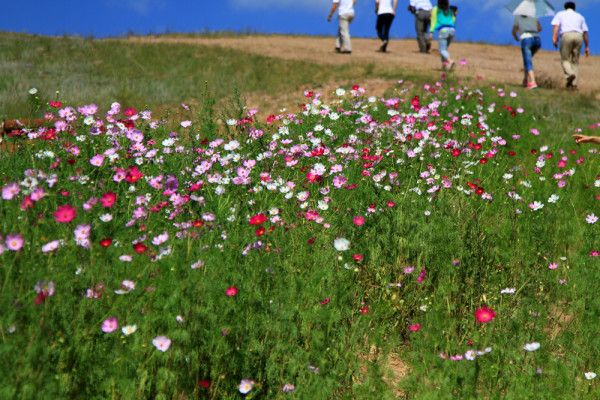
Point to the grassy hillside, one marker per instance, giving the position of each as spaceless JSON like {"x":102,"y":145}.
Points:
{"x":102,"y":71}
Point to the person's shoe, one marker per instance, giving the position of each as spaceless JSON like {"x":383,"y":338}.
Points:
{"x":451,"y":66}
{"x":345,"y":51}
{"x":525,"y":82}
{"x":384,"y":46}
{"x":338,"y":50}
{"x":531,"y":85}
{"x":570,"y":80}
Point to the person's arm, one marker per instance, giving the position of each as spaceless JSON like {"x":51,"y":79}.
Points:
{"x":433,"y":21}
{"x":539,"y":26}
{"x":334,"y":7}
{"x":515,"y":30}
{"x":586,"y":139}
{"x":555,"y":36}
{"x":586,"y":40}
{"x":395,"y":6}
{"x":376,"y":6}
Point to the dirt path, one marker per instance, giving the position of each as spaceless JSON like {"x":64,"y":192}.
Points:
{"x":481,"y":61}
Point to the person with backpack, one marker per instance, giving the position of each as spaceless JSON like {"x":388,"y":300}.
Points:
{"x":443,"y":21}
{"x":526,"y":29}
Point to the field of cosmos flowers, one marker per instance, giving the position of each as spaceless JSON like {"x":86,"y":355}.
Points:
{"x":436,"y":244}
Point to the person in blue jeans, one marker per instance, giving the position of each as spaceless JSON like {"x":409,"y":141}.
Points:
{"x":526,"y":29}
{"x":443,"y":21}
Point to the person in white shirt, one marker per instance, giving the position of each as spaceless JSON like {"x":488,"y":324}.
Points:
{"x":386,"y":11}
{"x":573,"y":32}
{"x":526,"y":29}
{"x":421,"y":9}
{"x":345,"y":9}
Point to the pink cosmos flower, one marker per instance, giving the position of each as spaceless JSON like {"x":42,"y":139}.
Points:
{"x":414,"y":327}
{"x":553,"y":265}
{"x":97,"y":160}
{"x":359,"y":220}
{"x":231,"y":291}
{"x":10,"y":190}
{"x":14,"y":242}
{"x":110,"y":324}
{"x":51,"y":246}
{"x":108,"y":199}
{"x":65,"y":214}
{"x":186,"y":124}
{"x":162,"y":343}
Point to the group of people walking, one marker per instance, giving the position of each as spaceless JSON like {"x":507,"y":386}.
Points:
{"x":569,"y":30}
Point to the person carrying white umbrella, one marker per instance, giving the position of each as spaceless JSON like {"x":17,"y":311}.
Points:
{"x":526,"y":29}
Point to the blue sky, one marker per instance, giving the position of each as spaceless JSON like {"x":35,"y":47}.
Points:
{"x":479,"y":20}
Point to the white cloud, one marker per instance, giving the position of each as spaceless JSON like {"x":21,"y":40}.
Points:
{"x":285,"y":4}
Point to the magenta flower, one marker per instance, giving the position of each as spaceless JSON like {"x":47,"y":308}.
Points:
{"x":110,"y":324}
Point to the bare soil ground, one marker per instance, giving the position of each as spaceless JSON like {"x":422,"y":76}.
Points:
{"x":491,"y":63}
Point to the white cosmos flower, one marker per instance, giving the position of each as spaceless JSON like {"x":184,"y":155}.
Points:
{"x":245,"y":386}
{"x":33,"y":91}
{"x":341,"y":244}
{"x":129,"y":329}
{"x":508,"y":291}
{"x":533,"y":346}
{"x":590,"y":375}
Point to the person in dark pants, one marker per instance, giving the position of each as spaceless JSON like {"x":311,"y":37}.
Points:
{"x":421,"y":9}
{"x":386,"y":11}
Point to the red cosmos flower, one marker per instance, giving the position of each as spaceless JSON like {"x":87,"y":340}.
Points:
{"x":198,"y":223}
{"x":204,"y":383}
{"x":231,"y":291}
{"x":106,"y":242}
{"x":140,"y":248}
{"x":133,"y":174}
{"x":130,"y":112}
{"x":312,"y":178}
{"x":270,"y":119}
{"x":480,"y":191}
{"x":358,"y":257}
{"x":416,"y":103}
{"x":483,"y":161}
{"x":108,"y":199}
{"x":26,"y":203}
{"x":258,"y":219}
{"x":391,"y":204}
{"x":195,"y":187}
{"x":55,"y":104}
{"x":484,"y":314}
{"x":260,"y":231}
{"x":325,"y":301}
{"x":512,"y":153}
{"x":65,"y":214}
{"x":311,"y":240}
{"x":414,"y":327}
{"x":456,"y":152}
{"x":40,"y":298}
{"x":364,"y":310}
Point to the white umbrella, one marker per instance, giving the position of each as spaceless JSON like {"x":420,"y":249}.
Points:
{"x":531,"y":8}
